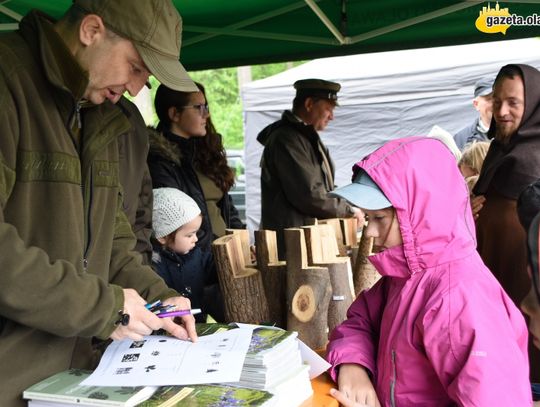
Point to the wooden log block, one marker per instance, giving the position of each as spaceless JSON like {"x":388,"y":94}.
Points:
{"x":364,"y":274}
{"x":322,"y":252}
{"x":349,"y":229}
{"x":243,"y":290}
{"x":335,"y":224}
{"x":308,"y":293}
{"x":244,"y":243}
{"x":274,"y":276}
{"x":342,"y":296}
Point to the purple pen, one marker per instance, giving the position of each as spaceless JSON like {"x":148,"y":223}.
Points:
{"x":180,"y":313}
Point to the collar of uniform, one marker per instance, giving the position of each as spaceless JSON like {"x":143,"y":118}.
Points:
{"x":59,"y":64}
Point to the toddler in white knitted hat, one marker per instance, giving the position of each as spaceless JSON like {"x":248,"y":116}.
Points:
{"x":176,"y":218}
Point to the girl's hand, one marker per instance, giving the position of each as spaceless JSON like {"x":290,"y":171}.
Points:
{"x":343,"y":400}
{"x":355,"y":387}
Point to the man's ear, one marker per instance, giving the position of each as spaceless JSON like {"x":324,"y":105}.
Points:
{"x":475,"y":103}
{"x":308,"y":104}
{"x":91,"y":29}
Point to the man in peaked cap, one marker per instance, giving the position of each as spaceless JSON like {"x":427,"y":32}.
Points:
{"x":477,"y":131}
{"x":69,"y":272}
{"x":297,"y":172}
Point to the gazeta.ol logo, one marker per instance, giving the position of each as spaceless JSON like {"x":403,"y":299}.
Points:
{"x":499,"y":19}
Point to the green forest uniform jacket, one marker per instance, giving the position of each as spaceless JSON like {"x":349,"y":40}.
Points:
{"x":65,"y":243}
{"x":135,"y":178}
{"x":294,"y":178}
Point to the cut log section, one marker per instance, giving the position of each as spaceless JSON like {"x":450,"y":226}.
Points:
{"x":304,"y":303}
{"x":308,"y":293}
{"x":274,"y":276}
{"x":242,"y":286}
{"x":244,"y":242}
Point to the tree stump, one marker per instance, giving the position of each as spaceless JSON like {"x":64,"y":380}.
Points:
{"x":323,"y":252}
{"x":364,"y":274}
{"x":274,"y":276}
{"x":308,"y":293}
{"x":243,"y":290}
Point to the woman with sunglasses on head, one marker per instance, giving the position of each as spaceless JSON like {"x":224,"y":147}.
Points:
{"x":188,"y":154}
{"x":437,"y":329}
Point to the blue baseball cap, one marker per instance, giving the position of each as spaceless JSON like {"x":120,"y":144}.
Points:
{"x":363,"y":193}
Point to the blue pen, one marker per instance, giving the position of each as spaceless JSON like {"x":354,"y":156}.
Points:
{"x":165,"y":308}
{"x":154,"y":304}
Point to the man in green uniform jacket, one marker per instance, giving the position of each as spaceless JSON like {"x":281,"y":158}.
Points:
{"x":68,"y":271}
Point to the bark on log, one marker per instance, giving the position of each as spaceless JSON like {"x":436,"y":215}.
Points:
{"x":364,"y":274}
{"x":274,"y":276}
{"x":243,"y":290}
{"x":308,"y":293}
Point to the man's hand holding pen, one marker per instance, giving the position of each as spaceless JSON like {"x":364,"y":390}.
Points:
{"x":138,"y":319}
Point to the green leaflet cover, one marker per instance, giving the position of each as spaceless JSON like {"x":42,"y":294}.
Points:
{"x":208,"y":396}
{"x":65,"y":387}
{"x":268,"y":340}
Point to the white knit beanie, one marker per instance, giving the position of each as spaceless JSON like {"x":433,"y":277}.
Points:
{"x":172,"y":209}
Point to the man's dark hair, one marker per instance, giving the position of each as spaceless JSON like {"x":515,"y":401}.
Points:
{"x":509,"y":71}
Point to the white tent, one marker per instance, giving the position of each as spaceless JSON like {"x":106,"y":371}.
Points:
{"x":383,"y":96}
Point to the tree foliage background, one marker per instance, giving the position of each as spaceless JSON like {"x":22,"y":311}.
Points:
{"x":223,"y":96}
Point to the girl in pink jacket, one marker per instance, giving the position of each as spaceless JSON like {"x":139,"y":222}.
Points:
{"x":437,"y":329}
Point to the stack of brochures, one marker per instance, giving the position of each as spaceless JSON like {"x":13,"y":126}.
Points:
{"x":64,"y":389}
{"x":271,"y":374}
{"x":274,"y":363}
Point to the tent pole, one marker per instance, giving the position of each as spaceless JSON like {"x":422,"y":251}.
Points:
{"x":245,"y":23}
{"x":326,"y":21}
{"x":10,"y":13}
{"x":415,"y":20}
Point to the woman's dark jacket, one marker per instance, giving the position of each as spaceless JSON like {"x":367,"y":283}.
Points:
{"x":186,"y":273}
{"x":171,"y":165}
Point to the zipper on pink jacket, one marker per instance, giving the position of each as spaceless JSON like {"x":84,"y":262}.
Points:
{"x":393,"y":381}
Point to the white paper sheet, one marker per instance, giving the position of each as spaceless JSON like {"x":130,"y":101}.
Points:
{"x":162,"y":360}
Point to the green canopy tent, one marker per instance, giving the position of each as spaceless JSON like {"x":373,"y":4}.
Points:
{"x":220,"y":33}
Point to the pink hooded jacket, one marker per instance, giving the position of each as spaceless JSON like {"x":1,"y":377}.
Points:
{"x":437,"y":329}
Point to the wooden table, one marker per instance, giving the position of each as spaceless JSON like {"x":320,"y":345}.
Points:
{"x":321,"y":393}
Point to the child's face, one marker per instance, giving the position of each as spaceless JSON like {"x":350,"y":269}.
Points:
{"x":383,"y":226}
{"x":186,"y":236}
{"x":466,"y":171}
